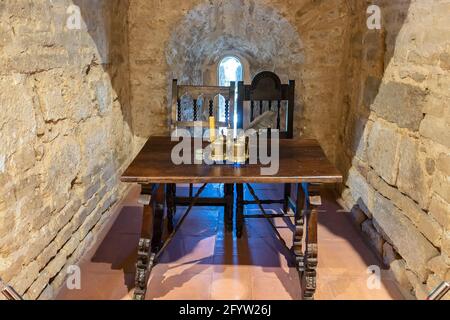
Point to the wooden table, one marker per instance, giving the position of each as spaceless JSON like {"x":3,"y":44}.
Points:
{"x":302,"y":162}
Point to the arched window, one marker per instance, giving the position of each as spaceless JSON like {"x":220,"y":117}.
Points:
{"x":230,"y":69}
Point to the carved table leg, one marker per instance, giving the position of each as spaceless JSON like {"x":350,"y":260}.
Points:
{"x":171,"y":207}
{"x":148,"y":244}
{"x":228,"y":211}
{"x":310,"y":274}
{"x":297,"y":248}
{"x":239,"y":209}
{"x":158,"y":219}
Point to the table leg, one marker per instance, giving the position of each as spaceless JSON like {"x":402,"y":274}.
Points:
{"x":239,"y":209}
{"x":158,"y":219}
{"x":151,"y":234}
{"x":171,"y":206}
{"x":297,"y":247}
{"x":228,"y":211}
{"x":311,"y":253}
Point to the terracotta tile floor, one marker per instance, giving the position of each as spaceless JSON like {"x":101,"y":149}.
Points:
{"x":204,"y":262}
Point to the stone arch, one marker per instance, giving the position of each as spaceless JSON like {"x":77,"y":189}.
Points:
{"x":248,"y":29}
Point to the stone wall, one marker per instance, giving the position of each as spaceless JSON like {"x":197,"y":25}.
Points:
{"x":65,"y":134}
{"x":397,"y":139}
{"x":302,"y":40}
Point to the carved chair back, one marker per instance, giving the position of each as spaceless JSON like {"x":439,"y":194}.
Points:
{"x":193,"y":105}
{"x":267,"y":93}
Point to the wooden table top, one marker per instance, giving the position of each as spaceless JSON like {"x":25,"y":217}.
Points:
{"x":300,"y":161}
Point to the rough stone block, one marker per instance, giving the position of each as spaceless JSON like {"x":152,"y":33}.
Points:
{"x":18,"y":125}
{"x":63,"y":163}
{"x":47,"y":294}
{"x":51,"y":96}
{"x":357,"y":215}
{"x":401,"y":201}
{"x":401,"y":103}
{"x":374,"y":237}
{"x":437,"y":106}
{"x":433,"y":282}
{"x":389,"y":254}
{"x":436,"y":129}
{"x":71,"y":245}
{"x":360,"y":135}
{"x":398,"y":269}
{"x":413,"y":178}
{"x":409,"y":242}
{"x":443,"y":163}
{"x":371,"y":87}
{"x":360,"y":190}
{"x":89,"y":223}
{"x":446,"y":243}
{"x":440,"y":210}
{"x":440,"y":186}
{"x":47,"y":254}
{"x":104,"y":98}
{"x":445,"y":61}
{"x":420,"y":290}
{"x":63,"y":217}
{"x":431,"y":229}
{"x":26,"y":277}
{"x":383,"y":152}
{"x":23,"y":159}
{"x":438,"y":266}
{"x":94,"y":149}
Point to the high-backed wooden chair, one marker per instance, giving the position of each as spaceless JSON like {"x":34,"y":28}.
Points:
{"x":265,"y":93}
{"x":191,"y":107}
{"x":202,"y":103}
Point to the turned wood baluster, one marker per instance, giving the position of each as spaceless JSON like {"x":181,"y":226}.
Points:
{"x":227,"y":112}
{"x":211,"y":108}
{"x":179,"y":109}
{"x":195,"y":110}
{"x":252,"y":111}
{"x":279,"y":115}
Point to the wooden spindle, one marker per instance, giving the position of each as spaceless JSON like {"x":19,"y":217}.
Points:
{"x":252,"y":111}
{"x":261,"y":107}
{"x":179,"y":110}
{"x":227,"y":111}
{"x":211,"y":108}
{"x":279,"y":115}
{"x":195,"y":110}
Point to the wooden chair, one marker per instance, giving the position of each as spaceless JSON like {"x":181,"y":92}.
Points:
{"x":265,"y":93}
{"x":183,"y":98}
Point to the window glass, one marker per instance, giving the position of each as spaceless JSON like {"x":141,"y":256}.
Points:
{"x":230,"y":69}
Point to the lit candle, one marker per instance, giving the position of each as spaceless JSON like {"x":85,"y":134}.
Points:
{"x":212,"y":129}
